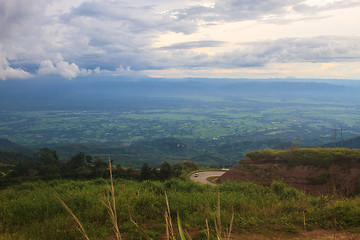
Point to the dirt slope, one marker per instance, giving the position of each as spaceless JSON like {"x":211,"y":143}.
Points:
{"x":340,"y":178}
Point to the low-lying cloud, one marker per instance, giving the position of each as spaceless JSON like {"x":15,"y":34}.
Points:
{"x":60,"y":67}
{"x":7,"y":72}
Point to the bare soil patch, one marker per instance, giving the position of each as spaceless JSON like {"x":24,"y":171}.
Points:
{"x":337,"y":179}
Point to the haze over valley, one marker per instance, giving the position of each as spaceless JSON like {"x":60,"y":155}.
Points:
{"x":205,"y":74}
{"x":197,"y":116}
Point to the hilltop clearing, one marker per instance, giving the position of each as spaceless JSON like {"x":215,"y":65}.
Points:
{"x":316,"y":171}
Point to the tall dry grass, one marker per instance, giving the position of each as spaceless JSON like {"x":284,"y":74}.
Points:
{"x":79,"y":225}
{"x":109,"y":201}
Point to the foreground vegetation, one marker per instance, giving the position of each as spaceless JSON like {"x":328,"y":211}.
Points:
{"x":31,"y":210}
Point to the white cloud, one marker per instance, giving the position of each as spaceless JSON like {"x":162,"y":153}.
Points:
{"x":15,"y":14}
{"x":68,"y":38}
{"x":61,"y":67}
{"x":7,"y":72}
{"x":123,"y":69}
{"x":260,"y":10}
{"x":325,"y":49}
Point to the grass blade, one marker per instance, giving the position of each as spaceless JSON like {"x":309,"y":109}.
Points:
{"x":140,"y":229}
{"x":79,"y":225}
{"x":110,"y":204}
{"x":181,"y":231}
{"x":231,"y":224}
{"x":169,"y":226}
{"x":219,"y":215}
{"x":207,"y":230}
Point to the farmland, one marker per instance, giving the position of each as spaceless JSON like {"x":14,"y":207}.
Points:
{"x":224,"y":118}
{"x":206,"y":116}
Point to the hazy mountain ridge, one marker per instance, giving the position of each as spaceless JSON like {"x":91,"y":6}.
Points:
{"x":56,"y":92}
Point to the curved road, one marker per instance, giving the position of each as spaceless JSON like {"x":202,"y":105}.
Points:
{"x":202,"y":176}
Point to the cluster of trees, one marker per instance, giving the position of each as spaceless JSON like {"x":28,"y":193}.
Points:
{"x":45,"y":165}
{"x":166,"y":171}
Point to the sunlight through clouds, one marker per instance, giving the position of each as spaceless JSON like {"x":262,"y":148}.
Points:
{"x":229,"y":36}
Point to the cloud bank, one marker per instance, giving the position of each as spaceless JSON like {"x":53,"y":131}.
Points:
{"x":80,"y":37}
{"x":7,"y":72}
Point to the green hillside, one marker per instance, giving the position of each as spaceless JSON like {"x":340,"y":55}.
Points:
{"x":318,"y":157}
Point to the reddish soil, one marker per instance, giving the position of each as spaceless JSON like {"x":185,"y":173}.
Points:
{"x":313,"y":235}
{"x":336,"y":179}
{"x":304,"y":235}
{"x":301,"y":235}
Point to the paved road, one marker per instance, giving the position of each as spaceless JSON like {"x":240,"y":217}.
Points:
{"x":204,"y":175}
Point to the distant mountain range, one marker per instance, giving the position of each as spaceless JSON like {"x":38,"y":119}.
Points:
{"x":101,"y":94}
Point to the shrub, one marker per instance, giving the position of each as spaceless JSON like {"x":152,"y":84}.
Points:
{"x":284,"y":191}
{"x":320,"y":178}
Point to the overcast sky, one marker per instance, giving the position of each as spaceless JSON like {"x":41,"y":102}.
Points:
{"x":183,"y":38}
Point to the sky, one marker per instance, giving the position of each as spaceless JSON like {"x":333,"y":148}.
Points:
{"x":178,"y":39}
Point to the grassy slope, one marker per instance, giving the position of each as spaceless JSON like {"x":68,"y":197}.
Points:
{"x":31,"y":210}
{"x":318,"y":157}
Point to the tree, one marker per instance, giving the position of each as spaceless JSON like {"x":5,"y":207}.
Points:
{"x":77,"y":161}
{"x":78,"y":166}
{"x":186,"y":166}
{"x":100,"y":168}
{"x":145,"y":173}
{"x":47,"y":157}
{"x":48,"y":164}
{"x":154,"y":174}
{"x":165,"y":171}
{"x":26,"y":170}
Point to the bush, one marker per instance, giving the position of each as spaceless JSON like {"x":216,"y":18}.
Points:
{"x":284,"y":191}
{"x":319,"y":179}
